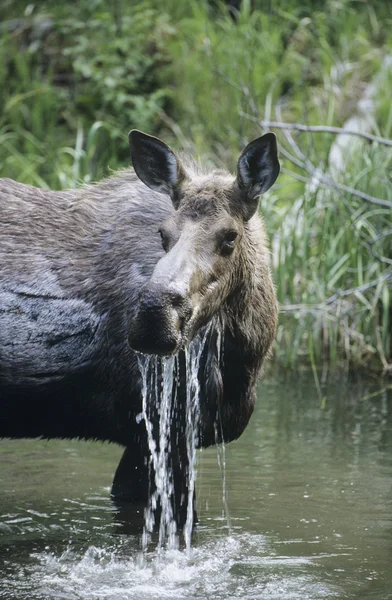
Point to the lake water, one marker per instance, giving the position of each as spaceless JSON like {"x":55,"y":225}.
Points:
{"x":307,"y":513}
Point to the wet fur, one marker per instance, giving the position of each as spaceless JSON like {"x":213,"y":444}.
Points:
{"x":71,"y":267}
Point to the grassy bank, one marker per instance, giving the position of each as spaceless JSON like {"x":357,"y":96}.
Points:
{"x":73,"y":82}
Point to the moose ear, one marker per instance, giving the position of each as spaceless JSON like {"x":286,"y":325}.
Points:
{"x":257,"y":169}
{"x":155,"y":163}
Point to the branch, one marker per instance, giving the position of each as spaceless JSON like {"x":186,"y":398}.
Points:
{"x":304,"y":163}
{"x":326,"y":304}
{"x":361,"y":288}
{"x":318,"y":129}
{"x":329,"y":182}
{"x":323,"y":178}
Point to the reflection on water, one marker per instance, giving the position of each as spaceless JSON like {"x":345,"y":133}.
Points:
{"x":309,"y":495}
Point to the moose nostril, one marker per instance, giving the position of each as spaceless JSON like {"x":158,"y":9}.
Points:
{"x":176,"y":300}
{"x":182,"y":305}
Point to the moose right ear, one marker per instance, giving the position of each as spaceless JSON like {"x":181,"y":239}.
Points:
{"x":155,"y":163}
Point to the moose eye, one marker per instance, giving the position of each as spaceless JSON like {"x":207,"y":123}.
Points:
{"x":228,"y":241}
{"x":231,"y":237}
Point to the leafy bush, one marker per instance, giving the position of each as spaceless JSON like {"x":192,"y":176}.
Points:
{"x":90,"y":77}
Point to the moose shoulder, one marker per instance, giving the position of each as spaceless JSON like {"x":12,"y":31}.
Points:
{"x":139,"y":262}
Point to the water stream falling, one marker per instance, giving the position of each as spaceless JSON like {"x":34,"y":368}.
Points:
{"x":163,"y":391}
{"x":220,"y":442}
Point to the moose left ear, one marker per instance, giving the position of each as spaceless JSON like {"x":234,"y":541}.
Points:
{"x":257,"y":169}
{"x":155,"y":163}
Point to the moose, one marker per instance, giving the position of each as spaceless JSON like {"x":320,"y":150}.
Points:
{"x":139,"y":263}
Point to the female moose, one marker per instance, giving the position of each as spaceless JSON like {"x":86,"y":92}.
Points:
{"x":140,"y":262}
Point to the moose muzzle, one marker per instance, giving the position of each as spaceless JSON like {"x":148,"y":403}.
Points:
{"x":160,"y":320}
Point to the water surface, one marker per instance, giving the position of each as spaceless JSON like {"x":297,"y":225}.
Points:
{"x":308,"y":490}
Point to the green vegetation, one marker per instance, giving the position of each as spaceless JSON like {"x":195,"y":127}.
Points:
{"x":71,"y":83}
{"x":75,"y":78}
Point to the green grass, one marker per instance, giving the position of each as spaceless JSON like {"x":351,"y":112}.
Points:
{"x":332,"y":259}
{"x":75,"y":79}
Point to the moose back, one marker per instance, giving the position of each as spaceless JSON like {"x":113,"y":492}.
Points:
{"x":139,"y":262}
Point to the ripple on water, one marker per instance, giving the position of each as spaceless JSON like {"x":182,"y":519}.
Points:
{"x":235,"y":567}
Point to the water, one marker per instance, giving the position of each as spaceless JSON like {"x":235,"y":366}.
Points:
{"x":308,"y":490}
{"x":158,"y":398}
{"x":160,"y":391}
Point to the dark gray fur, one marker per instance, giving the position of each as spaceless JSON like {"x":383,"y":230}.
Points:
{"x":73,"y":267}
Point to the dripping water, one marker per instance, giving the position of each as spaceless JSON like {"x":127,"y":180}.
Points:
{"x":160,"y":390}
{"x":192,"y":357}
{"x":157,"y":392}
{"x":219,"y":440}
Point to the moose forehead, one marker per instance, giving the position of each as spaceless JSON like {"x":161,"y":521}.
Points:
{"x":206,"y":196}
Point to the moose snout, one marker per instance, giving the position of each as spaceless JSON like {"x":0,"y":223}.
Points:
{"x":160,"y":320}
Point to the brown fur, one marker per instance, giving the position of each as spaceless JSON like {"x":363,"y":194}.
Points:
{"x":77,"y":268}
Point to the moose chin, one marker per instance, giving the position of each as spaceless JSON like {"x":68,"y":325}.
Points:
{"x":140,"y":262}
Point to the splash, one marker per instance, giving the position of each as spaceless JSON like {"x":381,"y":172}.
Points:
{"x":162,"y":394}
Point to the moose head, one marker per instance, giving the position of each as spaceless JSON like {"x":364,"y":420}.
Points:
{"x":206,"y":239}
